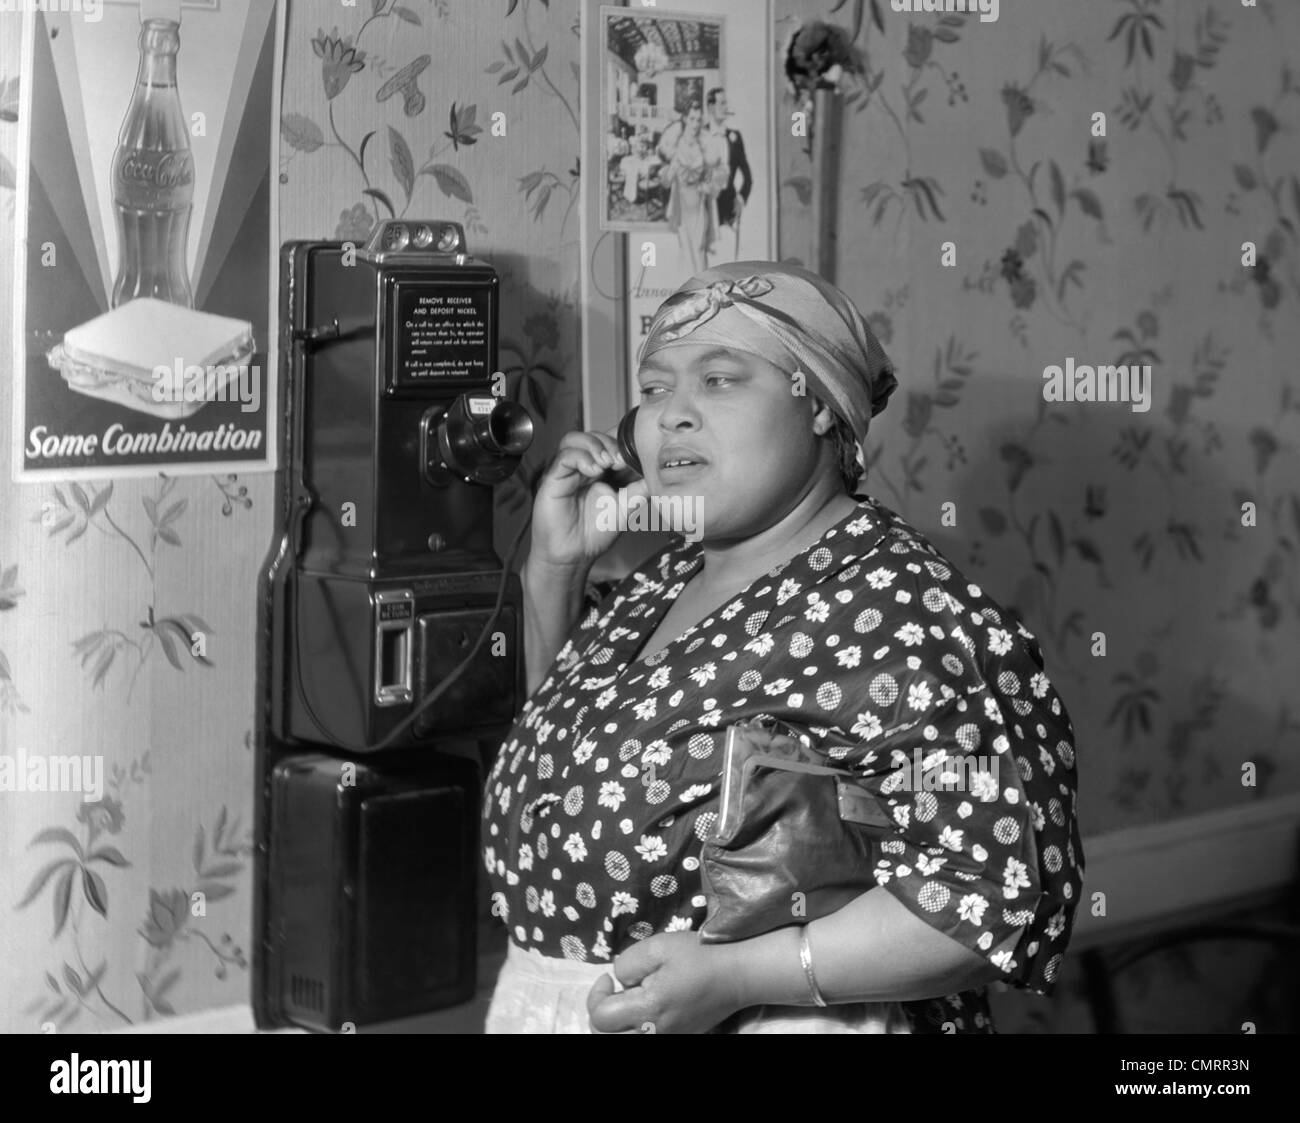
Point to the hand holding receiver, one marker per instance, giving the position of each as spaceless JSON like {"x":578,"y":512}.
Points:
{"x":588,"y":472}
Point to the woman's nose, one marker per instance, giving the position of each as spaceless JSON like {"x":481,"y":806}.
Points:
{"x":677,"y":410}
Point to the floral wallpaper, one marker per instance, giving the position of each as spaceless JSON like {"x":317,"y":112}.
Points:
{"x":990,"y":230}
{"x":138,"y":905}
{"x":1091,"y":519}
{"x":396,"y":132}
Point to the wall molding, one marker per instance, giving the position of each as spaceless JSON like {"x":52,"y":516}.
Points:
{"x":1180,"y":871}
{"x":218,"y":1019}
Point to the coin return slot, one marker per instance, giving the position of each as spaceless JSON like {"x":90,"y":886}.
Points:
{"x":393,"y":673}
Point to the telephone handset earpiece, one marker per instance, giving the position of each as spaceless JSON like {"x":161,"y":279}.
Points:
{"x":627,"y":442}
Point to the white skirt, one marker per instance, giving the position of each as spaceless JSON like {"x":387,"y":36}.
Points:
{"x":538,"y":993}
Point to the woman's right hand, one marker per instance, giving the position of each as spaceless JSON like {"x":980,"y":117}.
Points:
{"x":567,"y":531}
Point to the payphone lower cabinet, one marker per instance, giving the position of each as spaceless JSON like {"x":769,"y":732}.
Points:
{"x":374,"y":889}
{"x":390,"y":627}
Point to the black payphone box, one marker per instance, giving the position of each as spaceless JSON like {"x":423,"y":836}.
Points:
{"x":397,"y":432}
{"x":390,"y":631}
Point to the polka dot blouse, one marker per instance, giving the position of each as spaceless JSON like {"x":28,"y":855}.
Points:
{"x":601,"y":797}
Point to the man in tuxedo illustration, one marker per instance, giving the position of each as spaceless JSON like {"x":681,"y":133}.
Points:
{"x":729,"y":146}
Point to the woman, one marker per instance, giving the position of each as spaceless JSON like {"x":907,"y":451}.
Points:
{"x":692,"y":174}
{"x":803,"y":603}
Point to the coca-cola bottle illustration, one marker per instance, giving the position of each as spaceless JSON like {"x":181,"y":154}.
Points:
{"x":153,"y":178}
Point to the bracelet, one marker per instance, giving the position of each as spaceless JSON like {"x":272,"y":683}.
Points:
{"x":805,"y":959}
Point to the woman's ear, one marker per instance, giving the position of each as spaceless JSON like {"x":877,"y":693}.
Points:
{"x":823,"y":417}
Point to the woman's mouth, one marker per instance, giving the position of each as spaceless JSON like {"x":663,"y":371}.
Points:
{"x":681,"y":467}
{"x":677,"y":461}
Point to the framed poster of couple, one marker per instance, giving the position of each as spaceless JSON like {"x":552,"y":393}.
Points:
{"x":678,"y":106}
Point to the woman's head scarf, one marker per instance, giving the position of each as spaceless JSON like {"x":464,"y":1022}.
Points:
{"x":795,"y":319}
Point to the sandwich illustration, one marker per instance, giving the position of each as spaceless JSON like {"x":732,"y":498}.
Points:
{"x":155,"y":357}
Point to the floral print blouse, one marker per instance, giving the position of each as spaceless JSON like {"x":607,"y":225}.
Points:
{"x":603,"y":794}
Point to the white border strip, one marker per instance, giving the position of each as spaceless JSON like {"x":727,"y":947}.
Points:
{"x":21,"y":202}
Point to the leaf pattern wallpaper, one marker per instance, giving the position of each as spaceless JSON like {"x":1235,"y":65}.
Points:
{"x":1099,"y":523}
{"x":127,"y":609}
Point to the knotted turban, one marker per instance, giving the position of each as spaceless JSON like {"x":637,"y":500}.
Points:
{"x":795,"y":319}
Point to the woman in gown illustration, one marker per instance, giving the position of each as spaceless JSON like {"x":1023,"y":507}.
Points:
{"x":695,"y":177}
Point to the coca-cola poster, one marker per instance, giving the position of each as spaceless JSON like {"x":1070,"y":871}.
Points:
{"x":147,"y":208}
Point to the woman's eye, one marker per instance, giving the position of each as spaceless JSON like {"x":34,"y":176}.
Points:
{"x":650,"y":391}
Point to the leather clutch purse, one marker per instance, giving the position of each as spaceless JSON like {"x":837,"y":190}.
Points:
{"x":794,"y":837}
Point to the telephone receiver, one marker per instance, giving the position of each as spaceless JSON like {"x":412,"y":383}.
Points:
{"x":627,"y":446}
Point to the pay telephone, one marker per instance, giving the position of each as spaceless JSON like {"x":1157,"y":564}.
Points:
{"x":389,"y":628}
